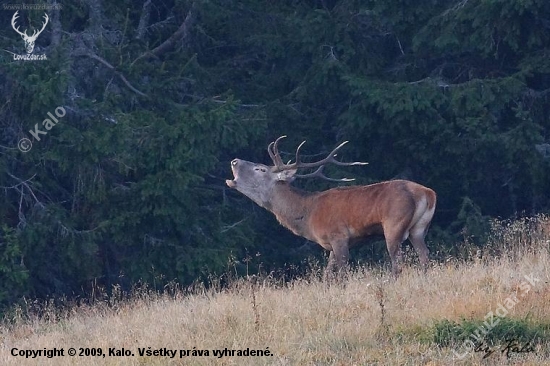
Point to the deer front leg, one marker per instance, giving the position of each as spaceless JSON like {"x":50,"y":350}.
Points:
{"x":328,"y":275}
{"x":337,"y":260}
{"x":395,"y":234}
{"x":396,"y":256}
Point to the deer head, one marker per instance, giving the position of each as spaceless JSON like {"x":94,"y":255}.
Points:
{"x":29,"y":40}
{"x":257,"y":181}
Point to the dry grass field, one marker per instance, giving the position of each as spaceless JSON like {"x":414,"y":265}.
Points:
{"x":368,"y":319}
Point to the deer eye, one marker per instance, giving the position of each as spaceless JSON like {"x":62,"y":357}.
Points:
{"x":263,"y":170}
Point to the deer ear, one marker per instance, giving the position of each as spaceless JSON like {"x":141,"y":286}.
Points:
{"x":286,"y":175}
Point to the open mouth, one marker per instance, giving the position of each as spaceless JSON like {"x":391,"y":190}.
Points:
{"x":231,"y":183}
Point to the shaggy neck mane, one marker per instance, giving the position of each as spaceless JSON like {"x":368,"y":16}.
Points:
{"x":291,"y":207}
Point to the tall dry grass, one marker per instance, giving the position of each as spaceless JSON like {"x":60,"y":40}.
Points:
{"x":369,"y":319}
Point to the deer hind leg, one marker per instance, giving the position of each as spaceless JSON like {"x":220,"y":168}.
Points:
{"x":417,"y":234}
{"x":417,"y":240}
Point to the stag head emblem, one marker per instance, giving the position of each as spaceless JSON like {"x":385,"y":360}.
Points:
{"x":29,"y":40}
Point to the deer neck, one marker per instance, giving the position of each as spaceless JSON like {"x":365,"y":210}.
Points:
{"x":291,"y":206}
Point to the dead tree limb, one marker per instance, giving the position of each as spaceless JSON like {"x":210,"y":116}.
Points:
{"x":144,"y":19}
{"x":181,"y":33}
{"x":56,"y":28}
{"x":81,"y":51}
{"x":95,"y":16}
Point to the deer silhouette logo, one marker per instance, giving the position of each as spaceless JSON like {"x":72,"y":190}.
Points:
{"x":29,"y":40}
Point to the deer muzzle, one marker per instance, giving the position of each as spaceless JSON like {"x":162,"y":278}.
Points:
{"x":231,"y":183}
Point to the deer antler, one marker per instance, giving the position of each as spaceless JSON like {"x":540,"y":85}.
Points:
{"x":273,"y":151}
{"x":46,"y":19}
{"x":15,"y":16}
{"x":24,"y":34}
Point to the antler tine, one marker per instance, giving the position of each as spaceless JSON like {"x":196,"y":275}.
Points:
{"x":319,"y":173}
{"x":273,"y":152}
{"x":13,"y":25}
{"x":331,"y":159}
{"x":270,"y":152}
{"x":276,"y":157}
{"x":46,"y":19}
{"x":36,"y":32}
{"x":297,"y":162}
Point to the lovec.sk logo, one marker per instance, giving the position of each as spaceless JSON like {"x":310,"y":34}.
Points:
{"x":28,"y":39}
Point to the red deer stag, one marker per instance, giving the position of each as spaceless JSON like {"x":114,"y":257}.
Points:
{"x":338,"y":217}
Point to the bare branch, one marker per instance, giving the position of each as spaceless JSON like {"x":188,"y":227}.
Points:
{"x":400,"y":46}
{"x":22,"y":220}
{"x":225,"y":228}
{"x":144,"y":19}
{"x":88,"y":53}
{"x":95,"y":16}
{"x":181,"y":33}
{"x":19,"y":180}
{"x":56,"y":28}
{"x":26,"y":185}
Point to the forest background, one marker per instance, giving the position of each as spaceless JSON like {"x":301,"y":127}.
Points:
{"x":160,"y":95}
